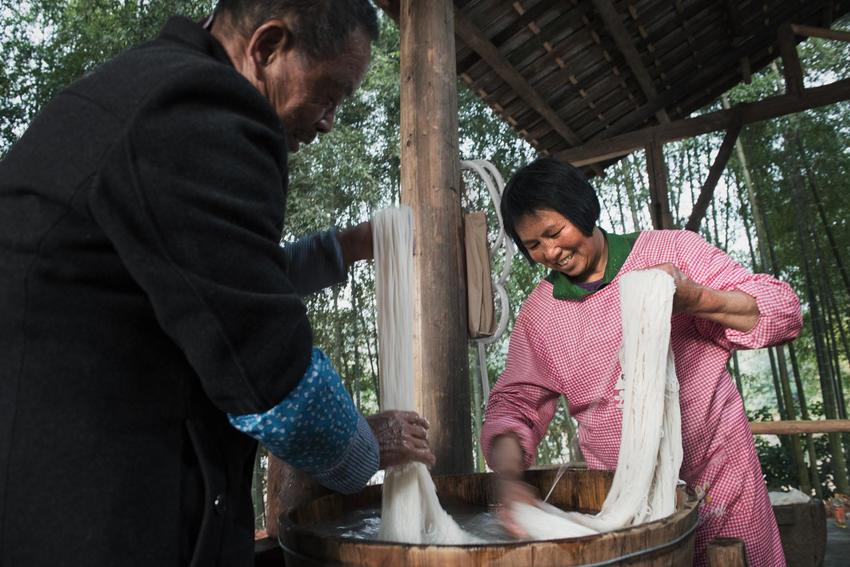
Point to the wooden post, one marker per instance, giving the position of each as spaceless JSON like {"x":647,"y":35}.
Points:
{"x":430,"y":185}
{"x":727,"y":552}
{"x":659,"y":204}
{"x":790,"y":60}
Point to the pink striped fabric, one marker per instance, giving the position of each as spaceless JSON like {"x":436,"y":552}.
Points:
{"x":570,"y":348}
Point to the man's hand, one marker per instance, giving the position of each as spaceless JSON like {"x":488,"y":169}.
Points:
{"x":356,"y":243}
{"x":402,"y":438}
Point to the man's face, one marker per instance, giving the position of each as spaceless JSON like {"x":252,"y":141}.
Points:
{"x":306,"y":92}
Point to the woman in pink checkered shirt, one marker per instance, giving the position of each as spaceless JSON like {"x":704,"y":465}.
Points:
{"x":568,"y":332}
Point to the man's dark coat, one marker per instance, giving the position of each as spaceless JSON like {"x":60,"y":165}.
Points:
{"x":142,"y":297}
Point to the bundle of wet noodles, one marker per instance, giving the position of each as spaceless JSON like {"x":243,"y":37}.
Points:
{"x":644,"y":486}
{"x":411,"y":511}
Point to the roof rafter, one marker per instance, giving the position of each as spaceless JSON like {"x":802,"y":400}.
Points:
{"x":615,"y":27}
{"x":475,"y":39}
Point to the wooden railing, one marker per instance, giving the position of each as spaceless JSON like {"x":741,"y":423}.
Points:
{"x":800,"y":427}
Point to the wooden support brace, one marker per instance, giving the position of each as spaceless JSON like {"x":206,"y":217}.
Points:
{"x":794,"y":427}
{"x":822,"y":33}
{"x":727,"y":552}
{"x":790,"y":60}
{"x":707,"y":191}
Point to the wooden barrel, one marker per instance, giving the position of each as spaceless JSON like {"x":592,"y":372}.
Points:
{"x":667,"y":542}
{"x":802,"y":529}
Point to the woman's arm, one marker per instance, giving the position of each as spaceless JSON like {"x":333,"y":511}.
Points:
{"x":731,"y":306}
{"x":731,"y":309}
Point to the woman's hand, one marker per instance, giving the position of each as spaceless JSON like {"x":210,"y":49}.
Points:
{"x":506,"y":459}
{"x":402,"y":438}
{"x":511,"y":491}
{"x":732,"y":309}
{"x":688,"y":292}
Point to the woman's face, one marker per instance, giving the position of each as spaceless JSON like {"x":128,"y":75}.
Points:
{"x":558,"y":244}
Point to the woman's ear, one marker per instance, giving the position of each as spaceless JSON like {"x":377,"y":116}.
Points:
{"x":269,"y":40}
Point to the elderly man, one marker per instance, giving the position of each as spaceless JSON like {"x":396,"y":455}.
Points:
{"x":151,"y":327}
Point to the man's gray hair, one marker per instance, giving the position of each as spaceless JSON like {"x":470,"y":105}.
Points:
{"x":321,"y":26}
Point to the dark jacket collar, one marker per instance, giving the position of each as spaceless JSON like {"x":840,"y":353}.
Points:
{"x":183,"y":30}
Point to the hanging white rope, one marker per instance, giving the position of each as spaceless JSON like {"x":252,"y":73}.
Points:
{"x":644,"y":486}
{"x":495,"y":187}
{"x":411,"y":512}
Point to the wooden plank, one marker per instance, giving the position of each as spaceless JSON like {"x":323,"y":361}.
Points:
{"x":707,"y":191}
{"x":790,"y":60}
{"x":822,"y":33}
{"x":430,"y":181}
{"x":659,"y":202}
{"x":604,"y":149}
{"x":800,"y":427}
{"x":726,"y":552}
{"x":614,"y":26}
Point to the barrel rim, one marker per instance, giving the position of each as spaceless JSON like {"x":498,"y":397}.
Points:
{"x":691,"y":501}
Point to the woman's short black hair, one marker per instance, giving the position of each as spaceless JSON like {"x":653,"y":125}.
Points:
{"x":547,"y":183}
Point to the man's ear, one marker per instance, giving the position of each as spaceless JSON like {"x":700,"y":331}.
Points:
{"x":269,"y":40}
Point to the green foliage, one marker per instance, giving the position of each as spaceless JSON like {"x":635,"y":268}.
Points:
{"x":48,"y":44}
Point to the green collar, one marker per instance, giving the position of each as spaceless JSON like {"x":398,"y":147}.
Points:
{"x":619,"y":247}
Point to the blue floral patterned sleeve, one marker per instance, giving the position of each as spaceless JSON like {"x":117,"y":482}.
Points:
{"x":317,"y":429}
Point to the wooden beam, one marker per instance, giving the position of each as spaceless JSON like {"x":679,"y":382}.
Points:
{"x":800,"y":427}
{"x":822,"y":33}
{"x":790,"y":60}
{"x":707,"y":191}
{"x":726,"y":552}
{"x":430,"y":182}
{"x":614,"y":25}
{"x":478,"y":42}
{"x":659,"y":202}
{"x":617,"y":146}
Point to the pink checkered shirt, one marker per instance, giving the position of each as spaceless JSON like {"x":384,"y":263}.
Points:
{"x":570,"y":348}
